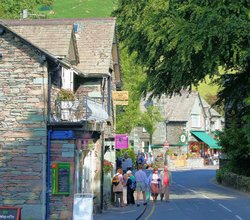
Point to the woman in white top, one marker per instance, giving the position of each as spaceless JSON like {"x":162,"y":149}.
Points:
{"x":154,"y":182}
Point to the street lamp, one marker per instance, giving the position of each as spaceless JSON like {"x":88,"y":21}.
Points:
{"x":166,"y":147}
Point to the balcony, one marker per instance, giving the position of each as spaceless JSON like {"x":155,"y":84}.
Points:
{"x":86,"y":109}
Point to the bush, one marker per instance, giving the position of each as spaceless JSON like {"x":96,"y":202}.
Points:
{"x":219,"y":176}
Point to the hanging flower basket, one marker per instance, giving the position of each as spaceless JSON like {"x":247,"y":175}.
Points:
{"x":108,"y":166}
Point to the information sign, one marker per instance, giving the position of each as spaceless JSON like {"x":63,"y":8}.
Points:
{"x":61,"y":178}
{"x":8,"y":212}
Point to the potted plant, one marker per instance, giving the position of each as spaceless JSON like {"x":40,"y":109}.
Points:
{"x":66,"y":95}
{"x":66,"y":99}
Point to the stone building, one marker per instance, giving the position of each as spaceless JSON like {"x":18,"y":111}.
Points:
{"x":188,"y":120}
{"x":51,"y":144}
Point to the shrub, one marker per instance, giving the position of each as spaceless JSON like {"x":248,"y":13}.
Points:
{"x":219,"y":176}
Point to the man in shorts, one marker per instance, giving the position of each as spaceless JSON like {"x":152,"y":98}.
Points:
{"x":141,"y":185}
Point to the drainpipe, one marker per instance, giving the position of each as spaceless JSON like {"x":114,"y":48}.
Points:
{"x":48,"y":176}
{"x":48,"y":146}
{"x":102,"y":161}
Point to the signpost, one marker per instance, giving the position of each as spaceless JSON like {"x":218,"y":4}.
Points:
{"x":166,"y":147}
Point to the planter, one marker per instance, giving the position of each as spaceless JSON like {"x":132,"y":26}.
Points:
{"x":68,"y":110}
{"x":65,"y":110}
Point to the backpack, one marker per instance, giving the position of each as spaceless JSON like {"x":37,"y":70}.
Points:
{"x":140,"y":160}
{"x":133,"y":184}
{"x":115,"y":180}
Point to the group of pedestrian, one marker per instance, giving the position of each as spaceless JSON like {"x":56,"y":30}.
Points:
{"x":159,"y":183}
{"x":124,"y":189}
{"x":153,"y":185}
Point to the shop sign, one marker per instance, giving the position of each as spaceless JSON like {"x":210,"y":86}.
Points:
{"x":61,"y":178}
{"x":120,"y":95}
{"x":118,"y":102}
{"x":121,"y":141}
{"x":9,"y":212}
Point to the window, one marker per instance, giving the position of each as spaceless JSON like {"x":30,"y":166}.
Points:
{"x":217,"y":124}
{"x":195,"y":121}
{"x":144,"y":130}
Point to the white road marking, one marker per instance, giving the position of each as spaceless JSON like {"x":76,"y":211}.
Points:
{"x":207,"y":197}
{"x":225,"y":207}
{"x":192,"y":191}
{"x":238,"y":217}
{"x":181,"y":185}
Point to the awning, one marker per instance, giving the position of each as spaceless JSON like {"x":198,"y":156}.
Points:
{"x":206,"y":138}
{"x":98,"y":112}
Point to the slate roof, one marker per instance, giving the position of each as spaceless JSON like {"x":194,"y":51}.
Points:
{"x":31,"y":44}
{"x":94,"y":39}
{"x":53,"y":38}
{"x":178,"y":108}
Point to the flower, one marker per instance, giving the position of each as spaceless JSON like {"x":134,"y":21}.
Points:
{"x":108,"y":166}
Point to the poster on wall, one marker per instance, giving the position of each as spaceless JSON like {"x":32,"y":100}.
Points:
{"x":61,"y":178}
{"x":121,"y":141}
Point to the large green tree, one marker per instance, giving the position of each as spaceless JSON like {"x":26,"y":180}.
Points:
{"x":181,"y":41}
{"x":13,"y":8}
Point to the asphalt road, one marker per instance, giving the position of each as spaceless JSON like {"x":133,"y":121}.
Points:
{"x":194,"y":196}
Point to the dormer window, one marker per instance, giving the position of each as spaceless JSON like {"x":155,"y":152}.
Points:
{"x":195,"y":121}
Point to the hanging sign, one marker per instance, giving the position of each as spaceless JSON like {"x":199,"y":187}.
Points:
{"x":121,"y":141}
{"x":120,"y":95}
{"x":118,"y":102}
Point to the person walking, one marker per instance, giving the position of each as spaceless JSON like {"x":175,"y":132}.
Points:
{"x":141,"y":185}
{"x":129,"y":163}
{"x":166,"y":179}
{"x":118,"y":188}
{"x":131,"y":186}
{"x":154,"y":182}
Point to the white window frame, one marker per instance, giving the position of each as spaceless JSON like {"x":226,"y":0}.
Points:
{"x":195,"y":121}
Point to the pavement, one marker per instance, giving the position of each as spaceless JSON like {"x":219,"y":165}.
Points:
{"x":122,"y":213}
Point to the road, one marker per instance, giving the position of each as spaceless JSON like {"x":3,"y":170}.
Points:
{"x":194,"y":196}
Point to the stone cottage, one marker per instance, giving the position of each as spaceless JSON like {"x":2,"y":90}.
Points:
{"x":51,"y":143}
{"x":184,"y":115}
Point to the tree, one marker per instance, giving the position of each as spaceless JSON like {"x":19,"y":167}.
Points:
{"x":149,"y":118}
{"x":13,"y":8}
{"x":181,"y":41}
{"x":133,"y":76}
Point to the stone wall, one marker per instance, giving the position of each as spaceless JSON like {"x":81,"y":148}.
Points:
{"x":23,"y":135}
